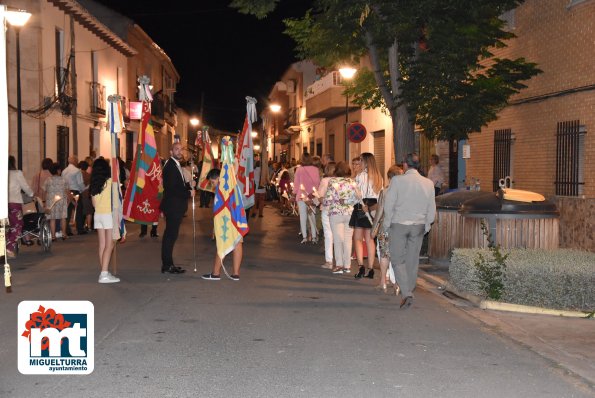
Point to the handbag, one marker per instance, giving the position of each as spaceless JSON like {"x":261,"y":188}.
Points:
{"x":29,"y":208}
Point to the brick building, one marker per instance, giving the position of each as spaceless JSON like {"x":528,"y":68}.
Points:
{"x":545,"y":138}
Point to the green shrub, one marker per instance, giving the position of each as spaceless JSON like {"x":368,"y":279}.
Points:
{"x":561,"y":279}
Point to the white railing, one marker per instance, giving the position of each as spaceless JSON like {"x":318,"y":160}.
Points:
{"x":332,"y":79}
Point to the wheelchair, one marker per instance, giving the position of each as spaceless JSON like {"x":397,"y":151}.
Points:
{"x":36,"y":225}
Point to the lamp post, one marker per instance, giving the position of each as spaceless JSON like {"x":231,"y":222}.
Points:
{"x":347,"y":74}
{"x":18,"y":19}
{"x":275,"y":108}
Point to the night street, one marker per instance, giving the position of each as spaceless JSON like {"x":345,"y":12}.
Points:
{"x":288,"y":328}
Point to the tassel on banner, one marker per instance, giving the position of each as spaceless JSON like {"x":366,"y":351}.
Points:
{"x":115,"y":118}
{"x":7,"y":278}
{"x":144,"y":89}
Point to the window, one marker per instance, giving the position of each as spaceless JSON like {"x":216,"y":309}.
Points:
{"x":379,"y":151}
{"x":570,"y":158}
{"x":61,"y":72}
{"x":502,"y":156}
{"x":63,"y":137}
{"x":331,"y":145}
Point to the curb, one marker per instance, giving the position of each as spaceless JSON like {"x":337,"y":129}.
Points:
{"x":496,"y":305}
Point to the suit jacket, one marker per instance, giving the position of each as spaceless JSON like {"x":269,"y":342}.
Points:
{"x":175,"y":191}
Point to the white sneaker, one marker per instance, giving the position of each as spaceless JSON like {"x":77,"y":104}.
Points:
{"x":59,"y":234}
{"x":106,"y":277}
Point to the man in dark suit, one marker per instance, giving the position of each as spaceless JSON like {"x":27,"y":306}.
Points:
{"x":176,"y":191}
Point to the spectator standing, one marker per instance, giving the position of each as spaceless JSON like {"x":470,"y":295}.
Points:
{"x":329,"y":172}
{"x":341,"y":195}
{"x":369,"y":182}
{"x":57,"y":197}
{"x":16,"y":184}
{"x":100,"y":190}
{"x":85,"y":197}
{"x":74,"y":178}
{"x":435,"y":174}
{"x":307,"y":178}
{"x":38,"y":180}
{"x":409,"y":211}
{"x":259,"y":193}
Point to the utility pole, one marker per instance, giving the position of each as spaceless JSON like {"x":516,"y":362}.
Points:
{"x":73,"y":88}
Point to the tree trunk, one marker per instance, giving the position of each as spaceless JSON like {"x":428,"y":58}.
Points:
{"x":403,"y":139}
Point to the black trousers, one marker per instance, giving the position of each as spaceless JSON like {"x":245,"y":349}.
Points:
{"x":170,"y":235}
{"x":205,"y":198}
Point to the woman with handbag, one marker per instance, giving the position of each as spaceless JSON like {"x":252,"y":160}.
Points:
{"x":369,"y":182}
{"x":381,"y":236}
{"x":307,"y":178}
{"x":341,"y":195}
{"x":16,"y":184}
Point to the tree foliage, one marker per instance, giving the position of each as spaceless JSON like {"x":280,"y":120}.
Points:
{"x":432,"y":57}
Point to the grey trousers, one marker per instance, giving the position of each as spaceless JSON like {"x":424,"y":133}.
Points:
{"x":405,"y":244}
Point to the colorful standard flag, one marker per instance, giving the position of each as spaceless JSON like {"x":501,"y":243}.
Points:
{"x":229,"y":214}
{"x":115,"y":122}
{"x":245,"y":155}
{"x":208,"y":163}
{"x":145,"y":189}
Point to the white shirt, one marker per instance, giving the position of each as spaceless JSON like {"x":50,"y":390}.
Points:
{"x":365,"y":186}
{"x":16,"y":183}
{"x":74,"y":178}
{"x":436,"y":175}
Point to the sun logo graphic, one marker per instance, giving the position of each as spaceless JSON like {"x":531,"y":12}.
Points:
{"x":56,"y":337}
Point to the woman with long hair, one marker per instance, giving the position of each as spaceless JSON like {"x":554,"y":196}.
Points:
{"x":341,"y":195}
{"x":381,"y":236}
{"x":307,"y":178}
{"x":329,"y":172}
{"x":370,"y":183}
{"x":38,"y":180}
{"x":100,"y":190}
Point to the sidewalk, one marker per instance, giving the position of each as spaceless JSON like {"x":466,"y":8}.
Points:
{"x":567,"y":342}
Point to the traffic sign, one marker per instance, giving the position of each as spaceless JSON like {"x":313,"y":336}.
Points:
{"x":356,"y":132}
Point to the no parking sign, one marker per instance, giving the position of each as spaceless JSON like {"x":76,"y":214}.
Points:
{"x":356,"y":132}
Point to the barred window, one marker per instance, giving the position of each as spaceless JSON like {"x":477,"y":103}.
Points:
{"x":570,"y":158}
{"x":503,"y":140}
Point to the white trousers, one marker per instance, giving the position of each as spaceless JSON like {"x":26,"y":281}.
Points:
{"x":328,"y":236}
{"x":342,"y":240}
{"x":306,"y":217}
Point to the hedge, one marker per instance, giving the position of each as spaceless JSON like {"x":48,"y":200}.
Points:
{"x":559,"y":279}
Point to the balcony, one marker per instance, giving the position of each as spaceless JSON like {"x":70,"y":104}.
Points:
{"x":325,"y":99}
{"x":97,"y":95}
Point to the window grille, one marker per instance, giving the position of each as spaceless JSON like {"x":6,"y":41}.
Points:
{"x":570,"y":141}
{"x":502,"y":156}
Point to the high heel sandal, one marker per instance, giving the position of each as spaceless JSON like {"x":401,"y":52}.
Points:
{"x":360,"y":274}
{"x":370,"y":274}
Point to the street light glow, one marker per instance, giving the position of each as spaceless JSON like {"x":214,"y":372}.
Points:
{"x":194,"y":121}
{"x":347,"y":72}
{"x":275,"y":108}
{"x":254,"y":134}
{"x":257,"y":147}
{"x":17,"y":18}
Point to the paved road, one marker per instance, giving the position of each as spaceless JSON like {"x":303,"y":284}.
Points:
{"x":287,"y":329}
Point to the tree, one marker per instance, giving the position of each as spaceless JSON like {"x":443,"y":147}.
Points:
{"x":431,"y":63}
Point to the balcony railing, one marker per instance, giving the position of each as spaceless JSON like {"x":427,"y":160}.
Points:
{"x":327,"y":82}
{"x":97,"y":95}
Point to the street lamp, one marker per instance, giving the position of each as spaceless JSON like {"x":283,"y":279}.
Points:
{"x":194,"y":121}
{"x":275,"y":108}
{"x":18,"y":19}
{"x":347,"y":73}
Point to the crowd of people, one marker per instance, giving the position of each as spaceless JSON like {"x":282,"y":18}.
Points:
{"x":363,"y":214}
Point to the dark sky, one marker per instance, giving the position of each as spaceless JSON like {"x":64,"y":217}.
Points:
{"x":218,"y":51}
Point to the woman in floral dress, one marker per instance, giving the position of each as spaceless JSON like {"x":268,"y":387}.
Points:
{"x":57,"y":196}
{"x":341,"y":195}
